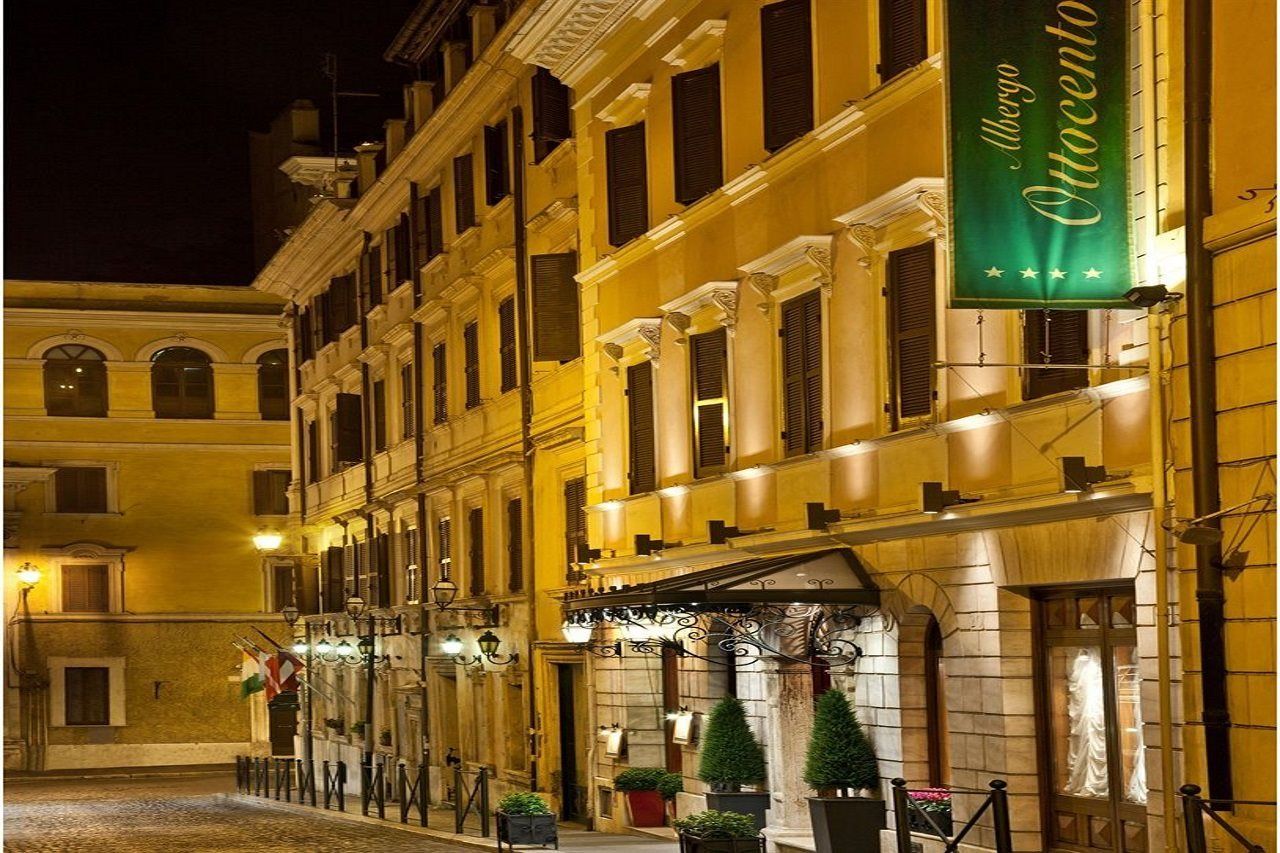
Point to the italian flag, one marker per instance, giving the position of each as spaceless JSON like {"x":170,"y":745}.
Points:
{"x":251,"y":680}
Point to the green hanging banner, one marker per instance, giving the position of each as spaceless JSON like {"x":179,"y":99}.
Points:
{"x":1038,"y":140}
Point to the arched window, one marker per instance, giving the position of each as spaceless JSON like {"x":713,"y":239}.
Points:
{"x":75,"y":382}
{"x":181,"y":383}
{"x":935,"y":692}
{"x":273,"y":385}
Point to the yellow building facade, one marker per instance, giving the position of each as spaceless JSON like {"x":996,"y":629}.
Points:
{"x":144,"y":448}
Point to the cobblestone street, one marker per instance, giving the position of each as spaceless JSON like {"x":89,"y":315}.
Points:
{"x":179,"y":814}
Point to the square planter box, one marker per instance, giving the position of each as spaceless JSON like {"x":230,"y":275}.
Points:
{"x":841,"y":824}
{"x":527,"y":829}
{"x":694,"y":844}
{"x":754,"y":803}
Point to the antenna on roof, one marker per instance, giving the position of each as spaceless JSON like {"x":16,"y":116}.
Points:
{"x":330,"y":70}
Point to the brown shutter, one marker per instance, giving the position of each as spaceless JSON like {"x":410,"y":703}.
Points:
{"x":552,"y":121}
{"x":261,"y":492}
{"x":420,"y":218}
{"x":435,"y":224}
{"x":306,"y":336}
{"x":439,"y":383}
{"x":787,"y":64}
{"x":349,"y":439}
{"x":382,"y":571}
{"x":85,"y":588}
{"x":319,"y":321}
{"x":695,"y":103}
{"x":903,"y":36}
{"x":515,"y":545}
{"x":1067,"y":342}
{"x":575,"y":522}
{"x":708,"y":357}
{"x":80,"y":489}
{"x":475,"y":536}
{"x":802,"y":373}
{"x":334,"y":579}
{"x":401,"y":268}
{"x":911,"y":330}
{"x":342,"y":305}
{"x":407,"y":396}
{"x":313,"y":451}
{"x":371,"y":278}
{"x":444,"y":546}
{"x":496,"y":182}
{"x":471,"y":363}
{"x":640,"y":427}
{"x":507,"y":344}
{"x":379,"y":415}
{"x":556,"y":324}
{"x":464,"y":194}
{"x":271,"y":492}
{"x":413,"y":568}
{"x":628,"y":183}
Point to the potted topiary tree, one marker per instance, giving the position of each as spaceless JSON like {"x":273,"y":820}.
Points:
{"x":732,"y":757}
{"x":670,"y":785}
{"x":841,"y":765}
{"x":719,"y":832}
{"x":525,"y":818}
{"x":640,"y":784}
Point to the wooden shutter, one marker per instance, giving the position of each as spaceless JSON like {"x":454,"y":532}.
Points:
{"x":911,"y":330}
{"x":695,"y":103}
{"x":1067,"y":342}
{"x":475,"y":537}
{"x":640,"y":425}
{"x":507,"y":344}
{"x":319,"y":321}
{"x":628,"y":183}
{"x":787,"y":64}
{"x":515,"y":545}
{"x":407,"y":395}
{"x":371,"y":278}
{"x":270,"y":492}
{"x":802,"y":373}
{"x":412,"y":568}
{"x":575,"y":522}
{"x":348,"y":444}
{"x":439,"y":383}
{"x":444,"y":547}
{"x":342,"y":305}
{"x":306,"y":336}
{"x":87,"y":695}
{"x":421,"y":243}
{"x":334,"y":579}
{"x":80,"y":489}
{"x":708,"y":356}
{"x":313,"y":451}
{"x":435,"y":224}
{"x":903,"y":36}
{"x":85,"y":588}
{"x":471,"y":363}
{"x":381,"y":571}
{"x":379,"y":415}
{"x":556,"y":324}
{"x":552,"y":119}
{"x":496,"y":180}
{"x":400,"y":267}
{"x":464,"y":194}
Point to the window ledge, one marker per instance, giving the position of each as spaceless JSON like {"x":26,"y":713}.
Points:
{"x":562,"y":151}
{"x":87,"y":514}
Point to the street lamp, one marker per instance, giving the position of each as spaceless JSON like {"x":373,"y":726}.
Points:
{"x":290,"y":614}
{"x":29,"y":575}
{"x":489,"y":644}
{"x":266,"y":540}
{"x":354,"y":606}
{"x":443,"y":593}
{"x":451,"y":645}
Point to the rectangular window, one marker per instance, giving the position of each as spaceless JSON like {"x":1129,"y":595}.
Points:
{"x":87,"y":691}
{"x":306,"y":336}
{"x":515,"y":545}
{"x":1054,"y":337}
{"x":444,"y":547}
{"x":903,"y":36}
{"x":507,"y":368}
{"x":348,"y":447}
{"x":575,"y":523}
{"x":281,"y":586}
{"x":406,"y":401}
{"x":627,"y":177}
{"x":86,"y":588}
{"x":475,"y":537}
{"x":412,"y":574}
{"x":313,"y":451}
{"x":552,"y":118}
{"x":787,"y":64}
{"x":379,"y":416}
{"x":371,"y":277}
{"x":341,"y":304}
{"x":319,"y":314}
{"x":556,"y":324}
{"x":695,"y":105}
{"x":802,"y":373}
{"x":380,"y":572}
{"x":497,"y":183}
{"x":464,"y":194}
{"x":270,"y":492}
{"x":471,"y":363}
{"x":640,"y":428}
{"x":708,"y":356}
{"x":439,"y":384}
{"x":429,"y":233}
{"x":399,"y":263}
{"x":80,"y":489}
{"x":912,"y":335}
{"x":334,"y":579}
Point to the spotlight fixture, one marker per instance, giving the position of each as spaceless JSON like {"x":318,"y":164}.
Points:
{"x":646,"y":545}
{"x":1151,"y":295}
{"x":817,"y":516}
{"x":1078,"y":477}
{"x":934,"y":499}
{"x":1192,"y":533}
{"x":718,"y":532}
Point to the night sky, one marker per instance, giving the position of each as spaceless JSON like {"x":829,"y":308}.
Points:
{"x":126,"y":125}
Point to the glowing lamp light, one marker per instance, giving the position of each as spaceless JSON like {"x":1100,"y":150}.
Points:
{"x":576,"y":633}
{"x":451,"y":645}
{"x":324,"y":646}
{"x":267,"y":541}
{"x":344,"y":648}
{"x":28,"y":574}
{"x":299,"y":648}
{"x":444,"y":592}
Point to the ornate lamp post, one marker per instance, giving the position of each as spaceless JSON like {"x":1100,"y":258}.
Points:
{"x":303,"y":647}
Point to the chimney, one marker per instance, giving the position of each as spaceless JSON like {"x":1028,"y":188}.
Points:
{"x":422,"y":102}
{"x":344,"y":185}
{"x":367,"y":164}
{"x":484,"y":26}
{"x":394,"y":128}
{"x":304,"y":123}
{"x":455,"y":63}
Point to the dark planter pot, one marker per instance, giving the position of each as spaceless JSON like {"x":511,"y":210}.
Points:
{"x":646,"y":808}
{"x":527,"y":829}
{"x":918,"y":823}
{"x":694,"y":844}
{"x":841,"y":824}
{"x":754,"y":803}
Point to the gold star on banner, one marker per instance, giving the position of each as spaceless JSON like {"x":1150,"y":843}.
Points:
{"x":994,"y":273}
{"x":1057,"y":273}
{"x":1091,"y":272}
{"x":1029,"y":273}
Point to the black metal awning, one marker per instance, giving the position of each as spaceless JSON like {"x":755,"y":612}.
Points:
{"x":828,"y":577}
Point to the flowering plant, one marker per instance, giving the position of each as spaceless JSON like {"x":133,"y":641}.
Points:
{"x":934,"y":801}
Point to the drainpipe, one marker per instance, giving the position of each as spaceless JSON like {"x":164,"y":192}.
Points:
{"x":420,"y":445}
{"x":1198,"y":47}
{"x":524,"y":349}
{"x":370,"y":538}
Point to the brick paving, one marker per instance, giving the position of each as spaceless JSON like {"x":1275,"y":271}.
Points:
{"x":176,"y":814}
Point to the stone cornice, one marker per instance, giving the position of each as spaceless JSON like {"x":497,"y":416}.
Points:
{"x":315,"y":251}
{"x":561,"y":33}
{"x":61,"y":317}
